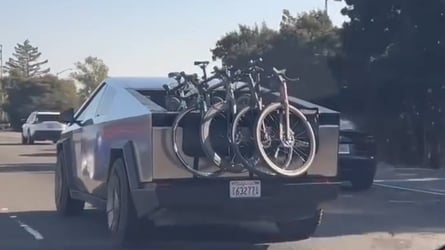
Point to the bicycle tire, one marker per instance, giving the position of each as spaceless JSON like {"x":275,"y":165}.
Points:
{"x":278,"y":169}
{"x":249,"y":164}
{"x":243,"y":101}
{"x":175,"y":146}
{"x":221,"y":162}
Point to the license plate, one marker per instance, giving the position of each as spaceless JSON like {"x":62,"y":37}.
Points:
{"x":343,"y":149}
{"x":245,"y":189}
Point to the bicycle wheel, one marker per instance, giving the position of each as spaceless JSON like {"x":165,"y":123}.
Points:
{"x":243,"y":101}
{"x":215,"y":139}
{"x":182,"y":159}
{"x":302,"y":145}
{"x":243,"y":142}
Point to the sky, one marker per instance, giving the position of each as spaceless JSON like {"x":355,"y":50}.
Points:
{"x":137,"y":37}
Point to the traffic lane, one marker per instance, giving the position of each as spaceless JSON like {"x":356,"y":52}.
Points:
{"x":12,"y":152}
{"x":382,"y":210}
{"x":363,"y":220}
{"x":417,"y":180}
{"x":387,"y":172}
{"x":367,"y":219}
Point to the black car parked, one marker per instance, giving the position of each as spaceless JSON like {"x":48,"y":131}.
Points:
{"x":357,"y":150}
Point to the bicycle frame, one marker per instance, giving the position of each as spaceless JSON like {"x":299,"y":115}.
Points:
{"x":284,"y":99}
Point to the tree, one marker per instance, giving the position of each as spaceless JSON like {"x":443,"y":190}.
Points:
{"x":302,"y":45}
{"x":237,"y":47}
{"x":90,"y":74}
{"x":25,"y":62}
{"x":392,"y":58}
{"x":44,"y":93}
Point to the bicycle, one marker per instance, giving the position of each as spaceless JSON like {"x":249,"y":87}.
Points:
{"x":263,"y":132}
{"x":176,"y":98}
{"x":200,"y":104}
{"x":227,"y":108}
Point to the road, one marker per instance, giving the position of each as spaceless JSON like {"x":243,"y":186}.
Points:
{"x":405,"y":209}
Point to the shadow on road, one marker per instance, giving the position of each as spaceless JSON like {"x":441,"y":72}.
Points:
{"x":39,"y":155}
{"x":20,"y":144}
{"x":26,"y":167}
{"x":89,"y":231}
{"x":10,"y":144}
{"x":49,"y":149}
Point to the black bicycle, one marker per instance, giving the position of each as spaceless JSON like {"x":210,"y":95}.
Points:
{"x":201,"y":100}
{"x":217,"y":122}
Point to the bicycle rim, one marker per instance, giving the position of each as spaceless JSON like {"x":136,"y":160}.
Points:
{"x":243,"y":141}
{"x":225,"y":162}
{"x":302,"y":149}
{"x":178,"y":154}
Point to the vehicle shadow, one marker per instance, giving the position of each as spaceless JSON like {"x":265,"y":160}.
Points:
{"x":10,"y":144}
{"x":20,"y":144}
{"x":26,"y":167}
{"x":39,"y":155}
{"x":89,"y":231}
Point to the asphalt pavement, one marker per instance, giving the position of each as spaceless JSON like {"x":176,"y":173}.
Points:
{"x":405,"y":209}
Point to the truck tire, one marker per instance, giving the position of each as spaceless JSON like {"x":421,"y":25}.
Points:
{"x":29,"y":139}
{"x":65,"y":204}
{"x":23,"y":139}
{"x":125,"y":226}
{"x":363,"y":180}
{"x":300,"y":229}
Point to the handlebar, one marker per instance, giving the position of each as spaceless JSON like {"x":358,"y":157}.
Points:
{"x":189,"y":77}
{"x":282,"y":73}
{"x":175,"y":88}
{"x":255,"y":62}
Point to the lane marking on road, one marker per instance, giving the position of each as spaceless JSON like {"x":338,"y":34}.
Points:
{"x":410,"y":180}
{"x":437,"y":190}
{"x":30,"y":230}
{"x":414,"y":169}
{"x":4,"y":209}
{"x":410,"y":189}
{"x":401,"y":201}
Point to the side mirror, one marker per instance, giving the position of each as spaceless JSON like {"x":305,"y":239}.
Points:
{"x":67,"y":116}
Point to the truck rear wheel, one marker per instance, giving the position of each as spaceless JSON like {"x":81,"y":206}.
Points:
{"x":125,"y":226}
{"x":300,"y":229}
{"x":363,"y":180}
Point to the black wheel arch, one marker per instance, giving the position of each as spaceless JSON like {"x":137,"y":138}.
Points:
{"x":64,"y":147}
{"x":126,"y":151}
{"x":143,"y":201}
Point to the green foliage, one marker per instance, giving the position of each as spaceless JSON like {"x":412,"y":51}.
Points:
{"x":237,"y":47}
{"x":24,"y":63}
{"x":392,"y":61}
{"x":302,"y":45}
{"x":44,"y":93}
{"x":90,"y":73}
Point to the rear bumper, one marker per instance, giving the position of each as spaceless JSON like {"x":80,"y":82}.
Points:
{"x":46,"y":135}
{"x":349,"y":166}
{"x":208,"y":200}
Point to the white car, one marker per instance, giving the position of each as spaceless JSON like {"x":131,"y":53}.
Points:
{"x":42,"y":126}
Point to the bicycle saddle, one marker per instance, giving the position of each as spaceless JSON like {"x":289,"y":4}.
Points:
{"x":203,"y":63}
{"x":174,"y":74}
